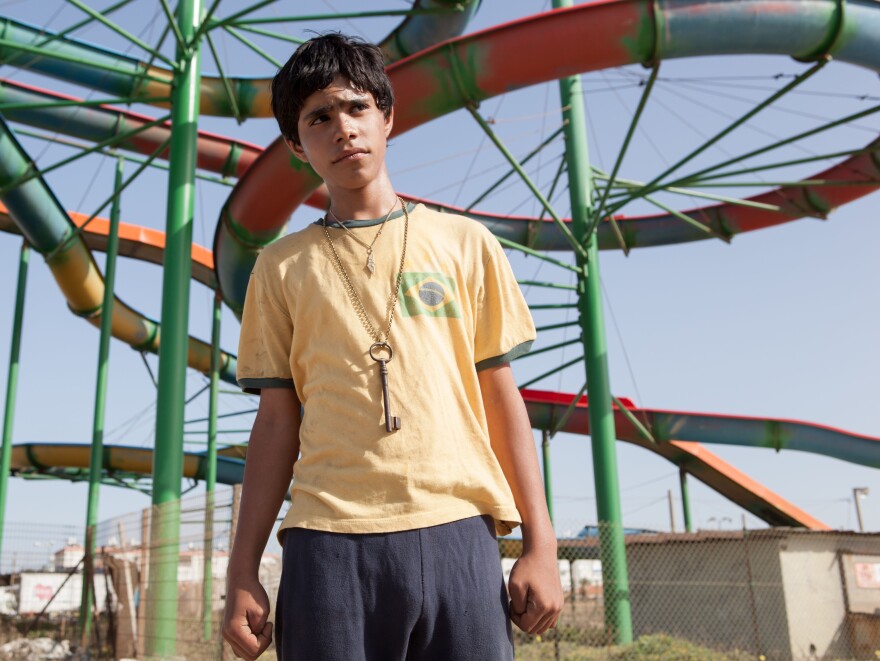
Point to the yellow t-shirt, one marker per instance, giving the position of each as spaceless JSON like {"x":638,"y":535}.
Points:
{"x":460,"y":310}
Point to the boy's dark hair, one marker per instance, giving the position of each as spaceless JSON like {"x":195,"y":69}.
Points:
{"x":313,"y":67}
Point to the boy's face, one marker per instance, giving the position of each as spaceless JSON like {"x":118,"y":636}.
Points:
{"x":343,"y":135}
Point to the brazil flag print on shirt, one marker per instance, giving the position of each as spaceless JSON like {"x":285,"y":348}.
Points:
{"x":431,"y":294}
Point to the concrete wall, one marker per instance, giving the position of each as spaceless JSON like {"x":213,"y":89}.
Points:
{"x":822,"y":594}
{"x":814,"y":597}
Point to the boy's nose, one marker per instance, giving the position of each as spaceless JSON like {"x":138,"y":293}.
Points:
{"x":345,"y":128}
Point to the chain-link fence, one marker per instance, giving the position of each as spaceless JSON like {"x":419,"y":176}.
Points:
{"x":29,"y":581}
{"x":183,"y":582}
{"x":772,"y":594}
{"x":140,"y":578}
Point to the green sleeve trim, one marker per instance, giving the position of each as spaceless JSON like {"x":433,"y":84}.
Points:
{"x":253,"y":386}
{"x":513,"y":354}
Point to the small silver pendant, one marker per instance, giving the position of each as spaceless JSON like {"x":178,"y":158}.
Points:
{"x":371,"y":263}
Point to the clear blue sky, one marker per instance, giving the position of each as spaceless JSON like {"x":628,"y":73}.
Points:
{"x":780,"y":323}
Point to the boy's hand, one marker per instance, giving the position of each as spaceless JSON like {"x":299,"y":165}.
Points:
{"x":535,"y":592}
{"x":245,"y":625}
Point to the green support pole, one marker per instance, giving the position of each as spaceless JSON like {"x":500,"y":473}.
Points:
{"x":548,"y":483}
{"x":618,"y":616}
{"x":685,"y":499}
{"x":211,"y":468}
{"x":161,"y":637}
{"x":96,"y":457}
{"x":12,"y":383}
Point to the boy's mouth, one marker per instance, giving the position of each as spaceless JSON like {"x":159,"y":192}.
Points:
{"x":350,"y":155}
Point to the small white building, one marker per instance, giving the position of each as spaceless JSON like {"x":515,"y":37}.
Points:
{"x":48,"y":590}
{"x":68,"y":557}
{"x":787,"y":594}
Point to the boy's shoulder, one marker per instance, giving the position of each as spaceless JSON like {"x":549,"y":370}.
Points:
{"x":463,"y":227}
{"x":290,"y":246}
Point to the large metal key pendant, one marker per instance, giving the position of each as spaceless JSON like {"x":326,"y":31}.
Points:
{"x":392,"y":422}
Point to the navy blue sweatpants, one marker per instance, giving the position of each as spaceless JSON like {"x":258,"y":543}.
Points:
{"x":426,"y":594}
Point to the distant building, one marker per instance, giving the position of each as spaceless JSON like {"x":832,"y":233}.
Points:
{"x":59,"y":589}
{"x":784,"y":593}
{"x":68,"y":557}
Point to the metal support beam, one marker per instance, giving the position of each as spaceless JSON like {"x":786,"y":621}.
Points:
{"x":168,"y":462}
{"x":566,"y":232}
{"x":211,"y":469}
{"x":548,"y":482}
{"x":618,"y":617}
{"x":250,"y":44}
{"x":653,"y":185}
{"x":33,"y":172}
{"x":563,"y":419}
{"x":96,"y":458}
{"x":271,"y":34}
{"x":551,"y":372}
{"x":233,"y":18}
{"x":101,"y":18}
{"x":64,"y":57}
{"x":512,"y":171}
{"x":12,"y":382}
{"x":64,"y":103}
{"x":685,"y":500}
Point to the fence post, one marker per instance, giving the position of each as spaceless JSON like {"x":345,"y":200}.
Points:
{"x":752,"y":603}
{"x":129,"y":588}
{"x":143,"y":579}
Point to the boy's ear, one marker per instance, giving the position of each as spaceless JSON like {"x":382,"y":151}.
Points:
{"x":389,"y":122}
{"x":297,"y":150}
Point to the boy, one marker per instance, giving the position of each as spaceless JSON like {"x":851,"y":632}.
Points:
{"x":391,"y":328}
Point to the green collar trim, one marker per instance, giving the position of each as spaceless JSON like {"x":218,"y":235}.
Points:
{"x":368,"y":222}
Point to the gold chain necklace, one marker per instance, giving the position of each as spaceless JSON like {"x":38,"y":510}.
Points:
{"x":380,"y":345}
{"x":352,"y":292}
{"x":371,"y":263}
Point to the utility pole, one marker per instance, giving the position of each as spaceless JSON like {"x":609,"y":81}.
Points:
{"x":858,"y":492}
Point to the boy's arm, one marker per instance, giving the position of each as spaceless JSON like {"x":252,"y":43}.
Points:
{"x":272,"y":450}
{"x":535,"y":589}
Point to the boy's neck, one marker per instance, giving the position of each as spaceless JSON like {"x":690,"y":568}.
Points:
{"x":372,"y":201}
